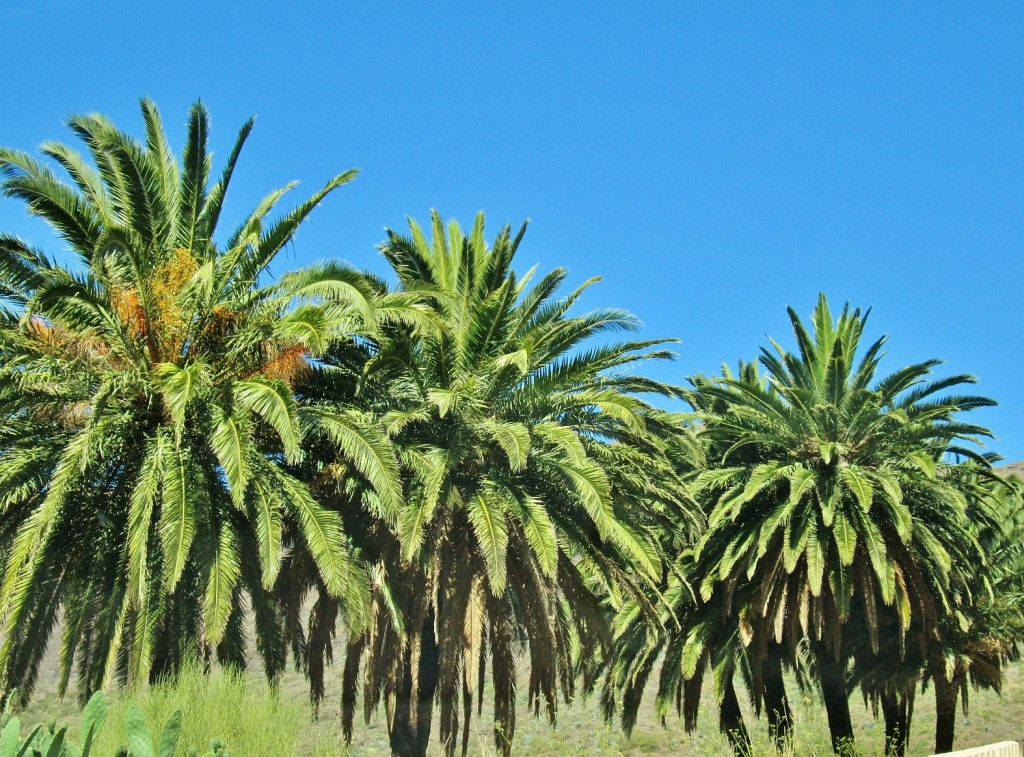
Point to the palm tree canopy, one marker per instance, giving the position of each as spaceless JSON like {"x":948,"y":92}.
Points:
{"x":501,"y":387}
{"x":831,"y":482}
{"x":148,"y":403}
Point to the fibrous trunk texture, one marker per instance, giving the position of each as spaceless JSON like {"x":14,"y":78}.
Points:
{"x":776,"y":703}
{"x":410,"y":728}
{"x":837,"y":700}
{"x":896,"y":712}
{"x":730,"y":722}
{"x":945,"y":713}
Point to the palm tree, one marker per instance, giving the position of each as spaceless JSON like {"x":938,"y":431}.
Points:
{"x":689,"y":641}
{"x":830,"y":498}
{"x":149,"y":409}
{"x":349,"y":462}
{"x":888,"y":677}
{"x":981,"y":635}
{"x":975,"y":641}
{"x":533,"y":477}
{"x":693,"y":636}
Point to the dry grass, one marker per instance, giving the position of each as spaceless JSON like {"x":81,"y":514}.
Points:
{"x":581,"y":731}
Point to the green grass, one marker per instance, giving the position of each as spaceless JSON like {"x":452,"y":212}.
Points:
{"x":255,"y":720}
{"x":239,"y":710}
{"x":242,"y":711}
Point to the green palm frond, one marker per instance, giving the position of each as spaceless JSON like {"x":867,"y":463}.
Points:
{"x":487,"y":514}
{"x":224,"y":573}
{"x":178,"y":513}
{"x":274,"y":402}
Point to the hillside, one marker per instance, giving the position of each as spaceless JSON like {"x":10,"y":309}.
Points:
{"x":1013,"y":469}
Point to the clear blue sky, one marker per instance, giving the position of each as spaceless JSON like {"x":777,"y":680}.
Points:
{"x":714,"y":164}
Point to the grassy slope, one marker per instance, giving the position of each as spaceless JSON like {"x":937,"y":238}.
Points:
{"x":580,"y":729}
{"x":1013,"y":469}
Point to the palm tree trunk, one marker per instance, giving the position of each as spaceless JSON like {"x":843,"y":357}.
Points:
{"x":503,"y":674}
{"x":945,"y":712}
{"x":896,"y":711}
{"x":776,"y":703}
{"x":410,"y":739}
{"x":730,"y":721}
{"x":429,"y":672}
{"x":837,"y":700}
{"x":349,"y":684}
{"x":451,"y":613}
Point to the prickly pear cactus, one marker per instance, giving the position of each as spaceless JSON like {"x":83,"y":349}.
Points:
{"x":140,"y":740}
